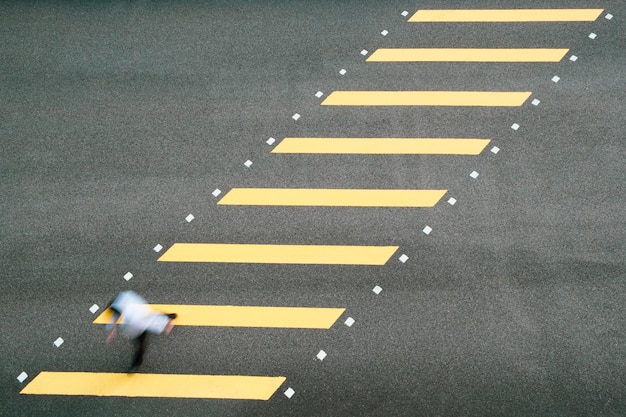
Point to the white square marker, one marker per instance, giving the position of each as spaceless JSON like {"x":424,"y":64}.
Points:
{"x":128,"y":276}
{"x":349,"y":322}
{"x":319,"y":94}
{"x":405,"y":13}
{"x":403,"y":258}
{"x":321,"y":355}
{"x":94,"y":308}
{"x":427,"y":230}
{"x":495,"y":150}
{"x":295,"y":116}
{"x":22,"y":377}
{"x":609,"y":16}
{"x":289,"y":392}
{"x":377,"y":290}
{"x":573,"y":58}
{"x":216,"y":192}
{"x":384,"y":32}
{"x":452,"y":201}
{"x":535,"y":102}
{"x":342,"y":71}
{"x":556,"y":79}
{"x":248,"y":163}
{"x":189,"y":218}
{"x":157,"y":248}
{"x":474,"y":174}
{"x":364,"y":52}
{"x":270,"y":141}
{"x":592,"y":35}
{"x":58,"y":342}
{"x":514,"y":126}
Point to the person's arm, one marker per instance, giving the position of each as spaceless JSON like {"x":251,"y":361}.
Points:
{"x":112,"y":327}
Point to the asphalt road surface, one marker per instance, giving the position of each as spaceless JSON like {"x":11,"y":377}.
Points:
{"x":119,"y":119}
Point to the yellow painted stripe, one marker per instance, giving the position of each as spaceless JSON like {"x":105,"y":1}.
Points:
{"x":154,"y":385}
{"x":507,"y":15}
{"x":331,"y":197}
{"x":245,"y":316}
{"x":278,"y":254}
{"x":425,"y":98}
{"x":467,"y":55}
{"x":403,"y":146}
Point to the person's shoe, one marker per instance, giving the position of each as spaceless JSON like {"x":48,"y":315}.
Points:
{"x":172,"y":315}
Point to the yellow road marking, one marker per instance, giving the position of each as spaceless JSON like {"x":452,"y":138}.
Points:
{"x":278,"y":254}
{"x":245,"y":316}
{"x":507,"y":15}
{"x":408,"y":146}
{"x":467,"y":55}
{"x":426,"y":98}
{"x":331,"y":197}
{"x":154,"y":385}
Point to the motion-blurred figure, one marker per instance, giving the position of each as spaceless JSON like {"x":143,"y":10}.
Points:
{"x":135,"y":318}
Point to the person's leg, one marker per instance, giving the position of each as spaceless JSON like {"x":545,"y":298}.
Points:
{"x":140,"y":348}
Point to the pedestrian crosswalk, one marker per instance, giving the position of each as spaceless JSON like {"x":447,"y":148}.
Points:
{"x":427,"y":98}
{"x":278,"y":254}
{"x":263,"y":387}
{"x":331,"y":197}
{"x":154,"y":385}
{"x":505,"y":15}
{"x":382,"y":146}
{"x":468,"y":55}
{"x":245,"y":316}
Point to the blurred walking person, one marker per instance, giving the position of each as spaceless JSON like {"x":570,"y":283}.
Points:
{"x":135,"y":318}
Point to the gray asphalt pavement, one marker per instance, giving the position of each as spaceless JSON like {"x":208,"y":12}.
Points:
{"x":119,"y":119}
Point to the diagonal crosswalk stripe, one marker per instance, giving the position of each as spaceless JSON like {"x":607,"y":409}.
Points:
{"x":467,"y":55}
{"x":506,"y":15}
{"x":392,"y":146}
{"x":278,"y":254}
{"x":426,"y":98}
{"x":331,"y":197}
{"x":154,"y":385}
{"x":245,"y":316}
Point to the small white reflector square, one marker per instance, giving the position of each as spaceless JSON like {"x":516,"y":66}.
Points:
{"x":452,"y":201}
{"x":189,"y":218}
{"x":128,"y":276}
{"x":592,"y":35}
{"x":248,"y":163}
{"x":514,"y":126}
{"x":216,"y":192}
{"x":157,"y":248}
{"x":535,"y":102}
{"x":474,"y":174}
{"x":377,"y":289}
{"x":295,"y":116}
{"x":427,"y":230}
{"x":319,"y":94}
{"x":289,"y":392}
{"x":495,"y":150}
{"x":609,"y":16}
{"x":22,"y":377}
{"x":364,"y":52}
{"x":556,"y":79}
{"x":270,"y":141}
{"x":349,"y":322}
{"x":403,"y":258}
{"x":321,"y":355}
{"x":342,"y":71}
{"x":384,"y":32}
{"x":405,"y":13}
{"x":58,"y":342}
{"x":573,"y":58}
{"x":94,"y":308}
